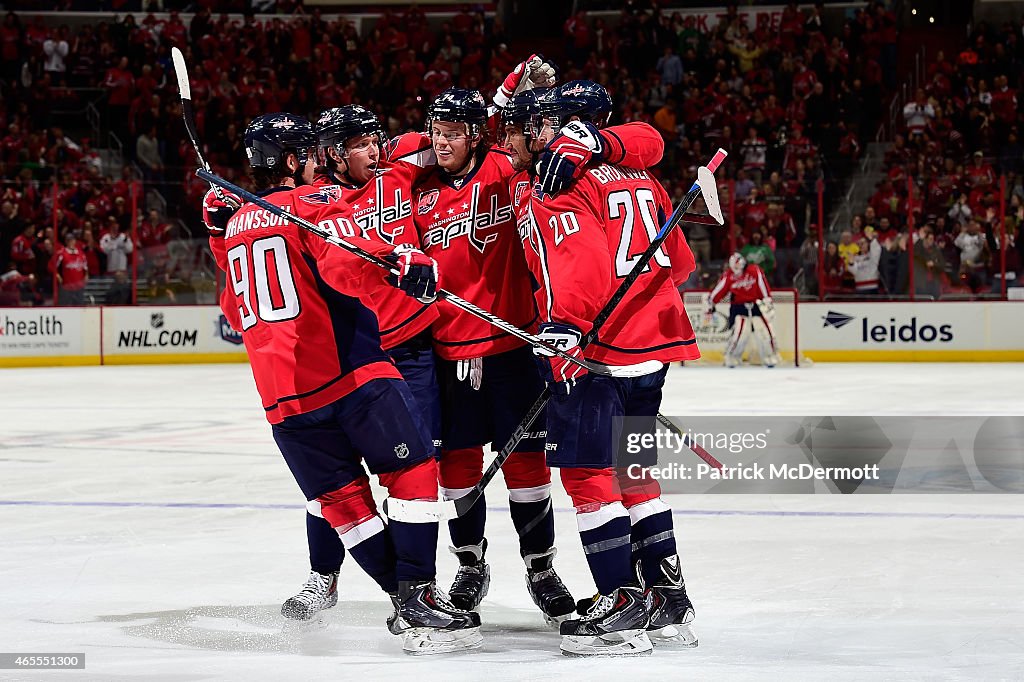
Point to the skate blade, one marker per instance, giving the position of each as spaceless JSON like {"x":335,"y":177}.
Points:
{"x":429,"y":641}
{"x":625,"y":643}
{"x":674,"y":636}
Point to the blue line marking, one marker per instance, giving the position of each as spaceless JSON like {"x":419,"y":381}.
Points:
{"x":676,"y":512}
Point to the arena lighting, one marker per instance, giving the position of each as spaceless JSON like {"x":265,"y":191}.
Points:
{"x":931,"y":20}
{"x":914,"y":11}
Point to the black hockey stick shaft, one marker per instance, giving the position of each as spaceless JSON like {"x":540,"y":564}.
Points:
{"x":458,"y":302}
{"x":464,"y":503}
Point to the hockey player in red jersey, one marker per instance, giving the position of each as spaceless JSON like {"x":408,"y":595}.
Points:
{"x":488,"y":379}
{"x":580,"y":243}
{"x":334,"y":398}
{"x":353,"y":161}
{"x":750,"y":311}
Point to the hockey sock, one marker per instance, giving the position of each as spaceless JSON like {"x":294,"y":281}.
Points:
{"x":325,"y":549}
{"x":459,"y":471}
{"x":652,"y":537}
{"x":603,"y":524}
{"x":414,"y":540}
{"x":535,"y":523}
{"x":370,"y":545}
{"x":605,"y":536}
{"x":529,"y":494}
{"x":415,"y":549}
{"x":352,"y":513}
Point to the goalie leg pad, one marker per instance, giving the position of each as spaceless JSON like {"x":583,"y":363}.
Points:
{"x":737,"y":340}
{"x":765,"y":341}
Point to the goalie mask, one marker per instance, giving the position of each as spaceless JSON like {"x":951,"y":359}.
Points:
{"x":271,"y":137}
{"x":586,"y":100}
{"x":737,"y":263}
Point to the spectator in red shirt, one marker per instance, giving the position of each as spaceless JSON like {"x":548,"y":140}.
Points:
{"x":71,"y":268}
{"x":22,"y":253}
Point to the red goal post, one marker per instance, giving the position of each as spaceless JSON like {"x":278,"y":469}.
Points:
{"x":712,"y":338}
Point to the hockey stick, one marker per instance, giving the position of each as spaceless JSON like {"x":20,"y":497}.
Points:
{"x":689,"y":442}
{"x":188,"y":116}
{"x":624,"y":371}
{"x":448,"y":509}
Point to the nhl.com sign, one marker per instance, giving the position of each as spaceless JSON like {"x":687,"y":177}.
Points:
{"x":894,"y":330}
{"x":157,"y":335}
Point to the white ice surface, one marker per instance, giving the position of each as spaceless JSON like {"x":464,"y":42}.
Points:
{"x":147,"y":520}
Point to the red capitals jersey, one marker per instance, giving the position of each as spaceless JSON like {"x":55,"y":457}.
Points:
{"x":73,"y":268}
{"x":470,"y":230}
{"x":584,"y":241}
{"x":297,"y":300}
{"x":749,"y":286}
{"x":382,"y":210}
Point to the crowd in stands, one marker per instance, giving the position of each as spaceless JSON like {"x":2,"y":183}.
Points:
{"x":952,"y":174}
{"x":794,"y":104}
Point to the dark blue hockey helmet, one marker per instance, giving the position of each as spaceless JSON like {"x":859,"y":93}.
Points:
{"x":524,"y":110}
{"x":269,"y":138}
{"x":338,"y":125}
{"x":586,"y":100}
{"x":459,"y":105}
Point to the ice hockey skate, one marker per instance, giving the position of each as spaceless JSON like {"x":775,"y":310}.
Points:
{"x":670,"y":608}
{"x":319,"y":593}
{"x":547,"y":590}
{"x":612,"y":625}
{"x":429,"y":624}
{"x":473,"y":577}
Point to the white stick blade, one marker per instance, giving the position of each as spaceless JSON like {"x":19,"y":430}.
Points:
{"x":181,"y":73}
{"x":709,"y":188}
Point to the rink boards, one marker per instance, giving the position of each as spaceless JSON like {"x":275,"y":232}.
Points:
{"x":821,"y":332}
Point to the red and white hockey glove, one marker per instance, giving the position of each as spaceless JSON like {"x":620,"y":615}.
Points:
{"x":417,"y":273}
{"x":217,"y":212}
{"x":566,"y":157}
{"x":532,"y":73}
{"x":560,"y":374}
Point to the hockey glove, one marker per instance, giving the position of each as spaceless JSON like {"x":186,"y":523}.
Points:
{"x":217,"y":213}
{"x":532,"y":73}
{"x":566,"y":157}
{"x":417,"y":273}
{"x":471,"y":370}
{"x":560,"y":374}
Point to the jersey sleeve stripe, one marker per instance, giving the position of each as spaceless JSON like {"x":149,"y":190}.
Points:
{"x":621,"y":150}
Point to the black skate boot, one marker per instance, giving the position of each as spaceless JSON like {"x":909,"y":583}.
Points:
{"x":428,"y":622}
{"x":320,"y":592}
{"x":613,"y":625}
{"x":473,"y":577}
{"x":671,"y":610}
{"x":546,"y":588}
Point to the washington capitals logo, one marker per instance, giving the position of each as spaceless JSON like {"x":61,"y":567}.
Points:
{"x":326,"y":195}
{"x":574,"y":90}
{"x":427,"y":201}
{"x":285,"y":123}
{"x":837,"y":320}
{"x":521,"y":188}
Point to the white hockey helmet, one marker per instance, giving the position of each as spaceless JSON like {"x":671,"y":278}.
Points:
{"x":737,"y":263}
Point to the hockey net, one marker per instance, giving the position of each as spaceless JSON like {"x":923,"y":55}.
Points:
{"x":713,"y":336}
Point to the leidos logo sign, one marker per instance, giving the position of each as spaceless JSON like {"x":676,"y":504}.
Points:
{"x":911,"y":331}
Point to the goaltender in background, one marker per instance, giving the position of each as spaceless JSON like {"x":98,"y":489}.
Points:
{"x":753,"y":472}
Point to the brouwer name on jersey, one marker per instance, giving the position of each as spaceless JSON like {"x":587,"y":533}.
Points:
{"x":606,"y":174}
{"x":448,"y":225}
